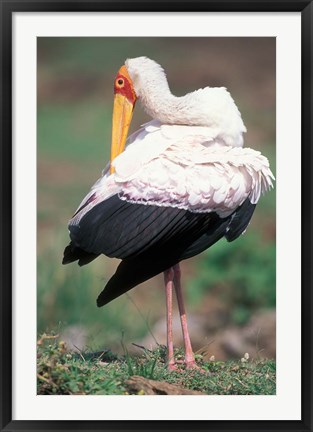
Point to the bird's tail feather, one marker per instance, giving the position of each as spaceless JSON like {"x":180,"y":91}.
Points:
{"x":73,"y":253}
{"x":131,"y":273}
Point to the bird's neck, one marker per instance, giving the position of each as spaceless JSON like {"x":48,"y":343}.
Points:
{"x":167,"y":108}
{"x":213,"y":108}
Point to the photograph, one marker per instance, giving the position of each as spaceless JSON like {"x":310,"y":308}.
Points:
{"x":156,"y":216}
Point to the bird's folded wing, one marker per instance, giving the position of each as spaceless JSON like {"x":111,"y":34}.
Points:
{"x":149,"y":239}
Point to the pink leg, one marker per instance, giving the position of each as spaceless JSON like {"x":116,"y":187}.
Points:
{"x":189,"y":356}
{"x":168,"y":279}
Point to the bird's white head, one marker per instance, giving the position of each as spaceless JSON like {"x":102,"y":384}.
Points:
{"x":146,"y":75}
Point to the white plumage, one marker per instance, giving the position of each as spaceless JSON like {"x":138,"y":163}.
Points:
{"x":190,"y":172}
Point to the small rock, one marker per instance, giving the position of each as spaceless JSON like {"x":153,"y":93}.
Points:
{"x":140,"y":385}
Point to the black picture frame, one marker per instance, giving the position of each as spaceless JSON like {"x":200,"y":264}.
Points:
{"x":8,"y":7}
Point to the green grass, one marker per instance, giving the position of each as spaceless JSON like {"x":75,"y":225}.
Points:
{"x":60,"y":372}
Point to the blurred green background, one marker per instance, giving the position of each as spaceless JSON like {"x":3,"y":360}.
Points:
{"x":229,"y":289}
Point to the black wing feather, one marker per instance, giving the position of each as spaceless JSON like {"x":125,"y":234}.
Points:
{"x":73,"y":253}
{"x":240,"y":220}
{"x":125,"y":233}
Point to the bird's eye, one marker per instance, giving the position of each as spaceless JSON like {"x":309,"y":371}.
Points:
{"x":120,"y":82}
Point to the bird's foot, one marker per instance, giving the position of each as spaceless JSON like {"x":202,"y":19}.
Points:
{"x":192,"y":365}
{"x":172,"y":367}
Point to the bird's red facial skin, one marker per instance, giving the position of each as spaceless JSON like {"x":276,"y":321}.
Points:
{"x":123,"y":86}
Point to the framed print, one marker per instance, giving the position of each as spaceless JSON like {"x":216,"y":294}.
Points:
{"x":241,"y":73}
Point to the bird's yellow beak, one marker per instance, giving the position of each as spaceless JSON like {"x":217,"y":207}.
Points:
{"x":124,"y":102}
{"x":122,"y":115}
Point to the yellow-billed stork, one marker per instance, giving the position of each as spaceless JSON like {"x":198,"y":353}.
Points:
{"x":183,"y":182}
